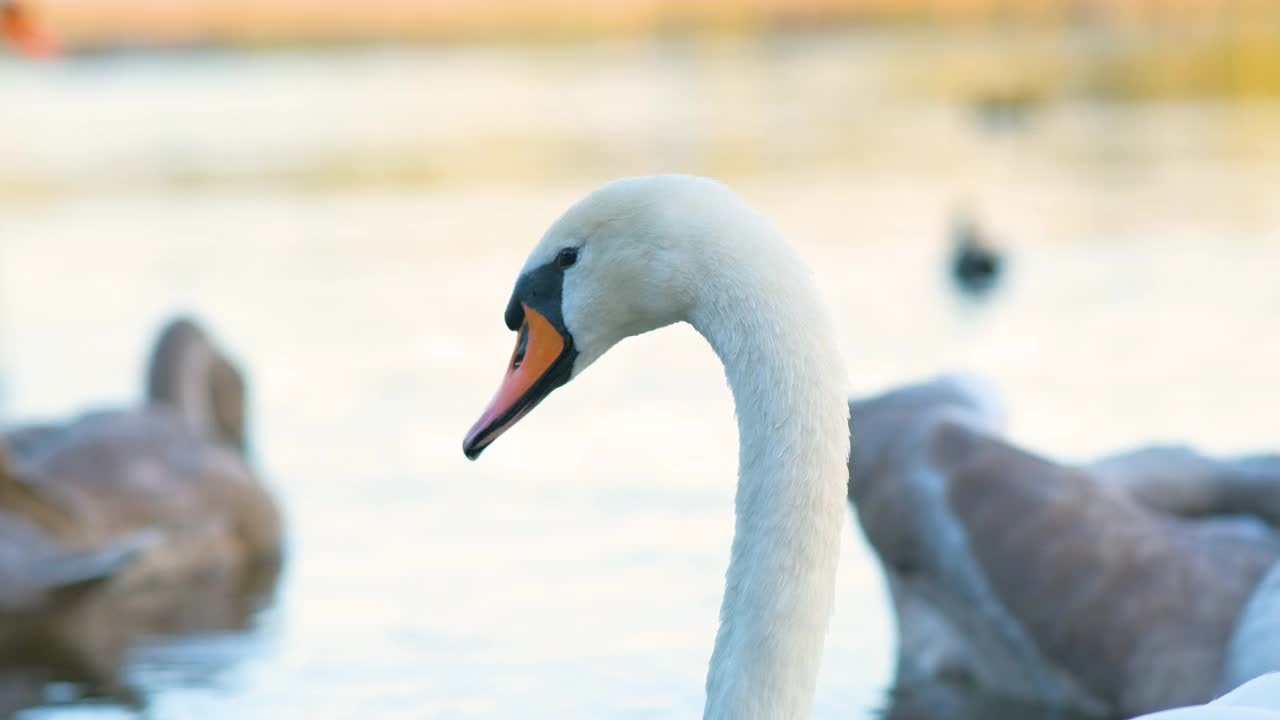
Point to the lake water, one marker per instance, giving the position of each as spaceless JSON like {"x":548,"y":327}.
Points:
{"x":350,"y":223}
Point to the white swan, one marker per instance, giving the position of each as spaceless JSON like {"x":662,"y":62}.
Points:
{"x":642,"y":253}
{"x":1144,"y":581}
{"x":1258,"y":699}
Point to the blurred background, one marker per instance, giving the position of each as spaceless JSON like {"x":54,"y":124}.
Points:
{"x":344,"y":192}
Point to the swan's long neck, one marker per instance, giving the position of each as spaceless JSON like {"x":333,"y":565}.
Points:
{"x":762,"y":315}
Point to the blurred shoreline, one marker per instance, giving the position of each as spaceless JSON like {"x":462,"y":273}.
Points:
{"x":1110,"y":48}
{"x":312,"y":120}
{"x":427,"y":94}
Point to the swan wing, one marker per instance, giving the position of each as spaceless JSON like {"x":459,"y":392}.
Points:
{"x":1137,"y":605}
{"x":1181,"y":480}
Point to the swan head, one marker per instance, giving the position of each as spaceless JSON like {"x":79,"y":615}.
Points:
{"x":624,"y":260}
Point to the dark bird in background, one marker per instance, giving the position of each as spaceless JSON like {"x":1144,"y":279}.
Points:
{"x":975,"y":263}
{"x":22,"y":33}
{"x":1005,"y":111}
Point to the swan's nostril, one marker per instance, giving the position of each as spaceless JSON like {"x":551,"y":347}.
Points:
{"x":521,"y":347}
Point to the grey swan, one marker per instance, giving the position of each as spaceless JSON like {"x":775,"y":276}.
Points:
{"x":1143,"y":581}
{"x":137,"y":522}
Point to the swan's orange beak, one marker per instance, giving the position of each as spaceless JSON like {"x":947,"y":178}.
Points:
{"x":24,"y":35}
{"x":542,"y":362}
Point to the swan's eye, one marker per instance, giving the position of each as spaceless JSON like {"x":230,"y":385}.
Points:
{"x":566,"y":258}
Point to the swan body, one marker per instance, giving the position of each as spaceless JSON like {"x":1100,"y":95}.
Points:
{"x":1127,"y":586}
{"x":642,"y":253}
{"x":143,"y":519}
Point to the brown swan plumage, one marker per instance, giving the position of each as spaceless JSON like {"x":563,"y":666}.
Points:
{"x":135,"y":522}
{"x":1116,"y":587}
